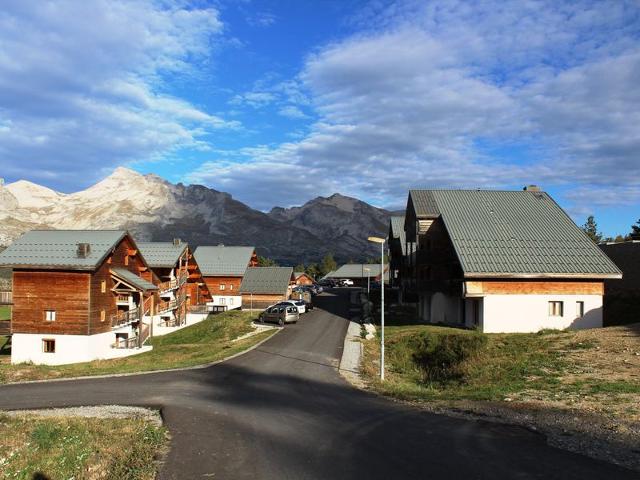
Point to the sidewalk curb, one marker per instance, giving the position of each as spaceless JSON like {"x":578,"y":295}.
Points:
{"x":149,"y":372}
{"x":349,"y":367}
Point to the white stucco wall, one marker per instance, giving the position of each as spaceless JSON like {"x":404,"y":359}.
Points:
{"x":230,"y":301}
{"x":530,"y":313}
{"x":192,"y":318}
{"x":27,"y":347}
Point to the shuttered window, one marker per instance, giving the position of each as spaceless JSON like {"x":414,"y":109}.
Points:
{"x":556,"y":309}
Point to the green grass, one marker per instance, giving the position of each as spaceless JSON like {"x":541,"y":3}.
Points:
{"x":87,"y":448}
{"x":5,"y":312}
{"x":204,"y":342}
{"x":489,"y":367}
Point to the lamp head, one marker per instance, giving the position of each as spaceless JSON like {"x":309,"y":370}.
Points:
{"x":376,"y":239}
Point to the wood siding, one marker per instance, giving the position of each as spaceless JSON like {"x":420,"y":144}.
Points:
{"x":213,"y":283}
{"x":66,"y":292}
{"x":534,"y":288}
{"x":260,"y":300}
{"x":304,"y":280}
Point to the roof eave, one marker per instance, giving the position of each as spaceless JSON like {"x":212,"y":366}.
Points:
{"x":88,"y":268}
{"x":593,"y":276}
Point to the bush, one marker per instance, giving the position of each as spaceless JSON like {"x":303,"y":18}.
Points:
{"x":442,"y":358}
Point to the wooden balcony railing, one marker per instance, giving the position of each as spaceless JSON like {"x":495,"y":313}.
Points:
{"x":166,"y":306}
{"x":121,"y":319}
{"x":174,"y":283}
{"x":131,"y":342}
{"x":6,"y":298}
{"x":122,"y":298}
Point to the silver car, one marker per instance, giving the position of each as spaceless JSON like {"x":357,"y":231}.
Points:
{"x":280,"y":314}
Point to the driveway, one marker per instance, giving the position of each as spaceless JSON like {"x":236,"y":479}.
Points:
{"x":283,"y":412}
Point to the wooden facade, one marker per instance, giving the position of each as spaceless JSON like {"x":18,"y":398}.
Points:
{"x":83,"y":301}
{"x":260,"y":301}
{"x":304,"y":279}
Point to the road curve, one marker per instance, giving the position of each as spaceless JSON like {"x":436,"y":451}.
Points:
{"x":282,"y":412}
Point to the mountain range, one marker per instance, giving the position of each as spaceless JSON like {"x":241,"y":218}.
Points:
{"x":153,"y":209}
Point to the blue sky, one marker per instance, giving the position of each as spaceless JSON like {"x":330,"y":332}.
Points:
{"x":277,"y":102}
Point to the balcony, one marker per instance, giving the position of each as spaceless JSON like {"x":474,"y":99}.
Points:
{"x":122,"y":319}
{"x":166,"y":306}
{"x":122,"y":299}
{"x":6,"y":298}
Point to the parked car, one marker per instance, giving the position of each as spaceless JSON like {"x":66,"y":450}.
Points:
{"x":318,"y":288}
{"x":299,"y":304}
{"x":280,"y":314}
{"x":308,"y":306}
{"x":346,"y":282}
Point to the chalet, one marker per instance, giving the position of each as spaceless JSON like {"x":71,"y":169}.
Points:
{"x":503,"y":261}
{"x":223,"y":269}
{"x":622,"y":297}
{"x":360,"y":273}
{"x":78,"y":296}
{"x":182,"y":293}
{"x":303,"y":278}
{"x":264,"y":286}
{"x":400,"y":252}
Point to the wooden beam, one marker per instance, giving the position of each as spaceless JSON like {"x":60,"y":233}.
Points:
{"x":132,"y":252}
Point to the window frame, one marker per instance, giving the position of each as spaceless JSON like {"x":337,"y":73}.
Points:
{"x":579,"y":308}
{"x":46,"y":315}
{"x":46,"y":342}
{"x":556,"y":312}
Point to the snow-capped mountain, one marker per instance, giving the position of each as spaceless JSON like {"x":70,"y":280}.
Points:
{"x":154,"y":209}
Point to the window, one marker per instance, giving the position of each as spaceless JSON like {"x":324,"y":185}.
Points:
{"x":50,"y":315}
{"x":231,"y":286}
{"x":103,"y":286}
{"x":556,"y":309}
{"x":579,"y":309}
{"x":103,"y":315}
{"x":48,"y":345}
{"x":222,"y":286}
{"x":223,"y":301}
{"x":126,"y":259}
{"x":231,"y":301}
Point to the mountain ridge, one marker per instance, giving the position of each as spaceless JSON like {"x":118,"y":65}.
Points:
{"x":154,"y":209}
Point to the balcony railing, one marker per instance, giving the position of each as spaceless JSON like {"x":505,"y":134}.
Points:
{"x":131,"y":342}
{"x":174,"y":283}
{"x":122,"y":298}
{"x":166,"y":306}
{"x":121,"y":319}
{"x":6,"y":298}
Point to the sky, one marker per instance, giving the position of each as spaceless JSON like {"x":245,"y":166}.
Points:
{"x":277,"y":102}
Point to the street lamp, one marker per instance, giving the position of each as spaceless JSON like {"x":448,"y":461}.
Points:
{"x":381,"y":242}
{"x":368,"y":281}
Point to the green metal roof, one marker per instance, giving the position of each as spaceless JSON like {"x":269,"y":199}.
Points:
{"x":133,"y":279}
{"x":513,"y":234}
{"x":357,"y":270}
{"x":162,"y":254}
{"x":57,"y":249}
{"x":223,"y":260}
{"x":266,"y":280}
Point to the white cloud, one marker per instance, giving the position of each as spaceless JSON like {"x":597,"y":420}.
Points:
{"x":291,"y":111}
{"x":410,"y":100}
{"x":81,"y":83}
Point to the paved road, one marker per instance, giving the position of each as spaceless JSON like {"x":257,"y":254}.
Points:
{"x":283,"y":412}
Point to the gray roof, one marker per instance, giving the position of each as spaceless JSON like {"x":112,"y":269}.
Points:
{"x":357,"y":270}
{"x":513,"y":234}
{"x":266,"y":280}
{"x":397,"y":230}
{"x":223,"y":260}
{"x":133,"y":279}
{"x":55,"y":249}
{"x":162,"y":254}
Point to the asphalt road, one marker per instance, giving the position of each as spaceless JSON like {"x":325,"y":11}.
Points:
{"x":283,"y":412}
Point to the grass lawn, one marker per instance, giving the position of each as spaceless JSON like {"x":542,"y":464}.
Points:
{"x":81,"y":448}
{"x":204,"y":342}
{"x":5,"y":312}
{"x":593,"y":368}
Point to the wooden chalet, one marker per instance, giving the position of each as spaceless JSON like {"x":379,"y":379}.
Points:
{"x":303,"y":278}
{"x":78,"y":295}
{"x":264,"y":286}
{"x":181,"y":287}
{"x":503,"y":261}
{"x":223,"y":268}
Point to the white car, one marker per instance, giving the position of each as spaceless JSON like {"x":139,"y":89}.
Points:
{"x":299,"y":304}
{"x":347,"y":283}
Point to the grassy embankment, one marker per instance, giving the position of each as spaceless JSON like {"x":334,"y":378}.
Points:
{"x":5,"y":312}
{"x":205,"y":342}
{"x":82,"y":448}
{"x":597,"y":368}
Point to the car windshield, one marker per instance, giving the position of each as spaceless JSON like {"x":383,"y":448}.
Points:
{"x":300,"y":303}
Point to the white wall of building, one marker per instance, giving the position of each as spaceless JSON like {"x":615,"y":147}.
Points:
{"x":192,"y":319}
{"x":28,"y":347}
{"x":230,"y":301}
{"x":530,"y":313}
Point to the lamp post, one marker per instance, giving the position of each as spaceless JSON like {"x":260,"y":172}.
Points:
{"x":368,"y":281}
{"x":381,"y":242}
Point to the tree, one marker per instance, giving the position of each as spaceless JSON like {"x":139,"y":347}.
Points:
{"x":328,"y":264}
{"x":590,"y":227}
{"x":266,"y":262}
{"x":299,"y":268}
{"x":314,"y":270}
{"x":635,"y":231}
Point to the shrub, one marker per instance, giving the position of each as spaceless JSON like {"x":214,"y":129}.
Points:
{"x":442,"y":358}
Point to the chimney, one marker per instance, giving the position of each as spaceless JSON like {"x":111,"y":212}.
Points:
{"x":531,"y":188}
{"x":83,"y":250}
{"x":176,"y":242}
